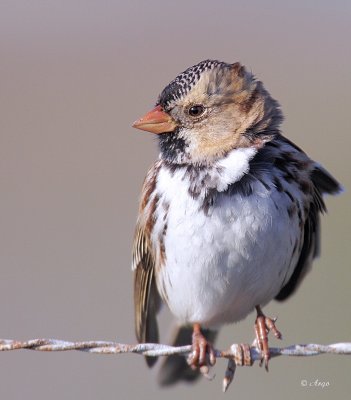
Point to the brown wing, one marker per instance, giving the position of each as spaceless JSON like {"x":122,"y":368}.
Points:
{"x":323,"y":182}
{"x":146,"y":298}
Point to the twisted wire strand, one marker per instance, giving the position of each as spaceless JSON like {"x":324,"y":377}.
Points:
{"x":237,"y":354}
{"x":155,"y":349}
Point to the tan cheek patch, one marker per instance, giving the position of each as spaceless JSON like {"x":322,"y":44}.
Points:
{"x":218,"y":135}
{"x":209,"y":145}
{"x":210,"y":149}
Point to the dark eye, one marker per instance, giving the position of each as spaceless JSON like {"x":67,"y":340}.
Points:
{"x":196,"y":111}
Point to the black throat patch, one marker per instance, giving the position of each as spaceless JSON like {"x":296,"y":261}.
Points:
{"x":172,"y":147}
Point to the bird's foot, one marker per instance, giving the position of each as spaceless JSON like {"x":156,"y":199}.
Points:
{"x":203,"y":355}
{"x":263,"y":325}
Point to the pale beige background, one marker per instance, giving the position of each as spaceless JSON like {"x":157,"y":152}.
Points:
{"x":74,"y":75}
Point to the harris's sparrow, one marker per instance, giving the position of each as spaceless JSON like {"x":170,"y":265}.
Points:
{"x":229,"y":214}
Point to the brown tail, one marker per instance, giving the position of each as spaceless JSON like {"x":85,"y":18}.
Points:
{"x":175,"y":368}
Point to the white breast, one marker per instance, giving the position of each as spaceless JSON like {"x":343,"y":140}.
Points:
{"x":219,"y":265}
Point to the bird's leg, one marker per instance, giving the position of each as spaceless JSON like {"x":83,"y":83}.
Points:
{"x":203,"y":355}
{"x":263,"y":325}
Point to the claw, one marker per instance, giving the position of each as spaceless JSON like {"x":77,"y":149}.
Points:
{"x":270,"y":324}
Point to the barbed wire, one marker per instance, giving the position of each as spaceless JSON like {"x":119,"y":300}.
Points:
{"x":237,"y":354}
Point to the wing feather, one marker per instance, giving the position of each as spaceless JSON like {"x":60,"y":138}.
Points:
{"x":323,"y":182}
{"x":146,"y":298}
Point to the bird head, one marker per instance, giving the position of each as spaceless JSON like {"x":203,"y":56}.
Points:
{"x":209,"y":110}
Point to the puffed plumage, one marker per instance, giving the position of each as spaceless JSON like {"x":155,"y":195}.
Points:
{"x":229,"y":214}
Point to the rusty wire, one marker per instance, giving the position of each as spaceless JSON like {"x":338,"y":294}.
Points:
{"x":237,"y":354}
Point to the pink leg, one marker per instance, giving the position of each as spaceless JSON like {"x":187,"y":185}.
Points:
{"x":263,"y":325}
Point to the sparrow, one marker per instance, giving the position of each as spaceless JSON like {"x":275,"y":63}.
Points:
{"x":229,"y":216}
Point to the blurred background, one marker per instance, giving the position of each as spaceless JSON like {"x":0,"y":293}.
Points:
{"x":74,"y":75}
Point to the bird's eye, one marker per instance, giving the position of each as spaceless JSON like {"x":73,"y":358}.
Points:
{"x":196,"y":111}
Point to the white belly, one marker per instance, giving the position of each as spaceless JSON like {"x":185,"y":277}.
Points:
{"x":218,"y":267}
